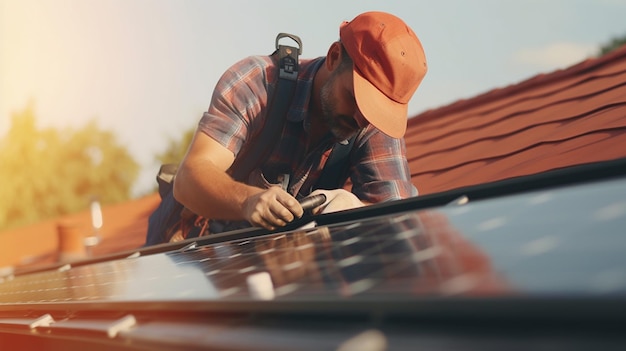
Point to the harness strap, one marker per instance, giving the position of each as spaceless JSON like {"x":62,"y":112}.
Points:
{"x":288,"y":64}
{"x":335,"y":170}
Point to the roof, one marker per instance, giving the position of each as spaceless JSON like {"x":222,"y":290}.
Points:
{"x":124,"y":228}
{"x":569,"y":117}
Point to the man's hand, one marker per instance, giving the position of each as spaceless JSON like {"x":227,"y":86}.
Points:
{"x":337,"y":200}
{"x":271,"y":208}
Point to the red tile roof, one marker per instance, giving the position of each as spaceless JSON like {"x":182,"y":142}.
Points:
{"x":124,"y":228}
{"x":569,"y":117}
{"x":565,"y":118}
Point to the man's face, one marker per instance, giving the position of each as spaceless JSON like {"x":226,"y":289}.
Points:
{"x":339,"y":109}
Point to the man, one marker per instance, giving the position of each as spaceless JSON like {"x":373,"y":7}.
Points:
{"x":362,"y":86}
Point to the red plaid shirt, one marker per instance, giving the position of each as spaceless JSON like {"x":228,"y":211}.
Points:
{"x":378,"y":168}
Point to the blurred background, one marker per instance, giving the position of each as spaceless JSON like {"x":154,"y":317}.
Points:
{"x":95,"y":95}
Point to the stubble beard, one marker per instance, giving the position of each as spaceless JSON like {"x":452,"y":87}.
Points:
{"x":329,"y":117}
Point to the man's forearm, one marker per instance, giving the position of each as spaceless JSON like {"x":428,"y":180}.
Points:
{"x":210,"y":192}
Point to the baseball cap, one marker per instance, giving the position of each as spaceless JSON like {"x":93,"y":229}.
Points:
{"x":389,"y":64}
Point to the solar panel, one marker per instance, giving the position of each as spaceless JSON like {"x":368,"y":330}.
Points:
{"x":535,"y":269}
{"x":558,"y":242}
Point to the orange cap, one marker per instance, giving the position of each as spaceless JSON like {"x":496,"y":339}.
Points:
{"x":389,"y":64}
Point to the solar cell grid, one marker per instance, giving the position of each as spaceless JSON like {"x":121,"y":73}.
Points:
{"x":501,"y":247}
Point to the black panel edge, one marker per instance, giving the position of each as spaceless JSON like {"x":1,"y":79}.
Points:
{"x":568,"y":176}
{"x":557,"y":309}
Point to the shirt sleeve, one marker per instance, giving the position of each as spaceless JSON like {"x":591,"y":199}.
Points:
{"x":238,"y":103}
{"x":381,"y":171}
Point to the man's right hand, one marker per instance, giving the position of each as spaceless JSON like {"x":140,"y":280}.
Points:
{"x":203,"y":186}
{"x":271,"y":208}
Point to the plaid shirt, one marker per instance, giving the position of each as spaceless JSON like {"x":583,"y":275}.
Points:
{"x":378,"y":168}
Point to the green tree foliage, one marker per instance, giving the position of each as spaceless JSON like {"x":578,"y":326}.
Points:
{"x":176,"y":148}
{"x":612,"y":45}
{"x":50,"y":172}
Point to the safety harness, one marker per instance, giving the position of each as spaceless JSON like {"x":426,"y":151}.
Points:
{"x":172,"y":219}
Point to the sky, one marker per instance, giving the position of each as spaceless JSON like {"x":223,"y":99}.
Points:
{"x":145,"y":69}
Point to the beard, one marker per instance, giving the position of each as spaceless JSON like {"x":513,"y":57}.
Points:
{"x":343,"y":127}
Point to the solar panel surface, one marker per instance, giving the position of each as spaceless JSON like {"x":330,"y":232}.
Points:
{"x":559,"y":242}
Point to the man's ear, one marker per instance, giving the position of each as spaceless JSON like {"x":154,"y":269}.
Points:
{"x":333,"y":57}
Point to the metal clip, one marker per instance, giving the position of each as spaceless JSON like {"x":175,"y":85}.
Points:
{"x":288,"y":57}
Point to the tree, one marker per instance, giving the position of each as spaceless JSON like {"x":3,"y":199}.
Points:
{"x":176,"y":148}
{"x":613,"y":44}
{"x":50,"y":172}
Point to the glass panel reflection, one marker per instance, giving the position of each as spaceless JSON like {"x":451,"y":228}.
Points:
{"x":562,"y":241}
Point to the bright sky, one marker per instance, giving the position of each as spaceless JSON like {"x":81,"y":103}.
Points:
{"x":146,"y":68}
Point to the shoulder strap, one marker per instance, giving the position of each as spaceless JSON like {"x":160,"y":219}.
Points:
{"x":288,"y":64}
{"x":336,"y":167}
{"x":333,"y":174}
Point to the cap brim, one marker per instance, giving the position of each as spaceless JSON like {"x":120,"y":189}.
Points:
{"x":388,"y":116}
